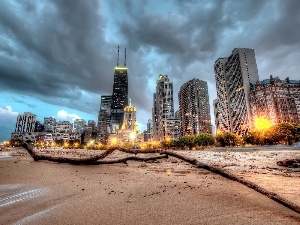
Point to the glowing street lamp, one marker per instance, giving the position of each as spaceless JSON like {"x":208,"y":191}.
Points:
{"x":262,"y":124}
{"x":114,"y":140}
{"x":66,"y":145}
{"x":219,"y":132}
{"x":76,"y":144}
{"x":91,"y":143}
{"x":168,"y":139}
{"x":132,"y":136}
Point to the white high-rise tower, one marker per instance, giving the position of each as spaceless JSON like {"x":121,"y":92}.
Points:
{"x":163,"y":107}
{"x":233,"y":77}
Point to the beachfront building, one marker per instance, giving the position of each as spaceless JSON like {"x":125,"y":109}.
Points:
{"x":129,"y":132}
{"x":32,"y":137}
{"x":103,"y":126}
{"x":79,"y":125}
{"x":49,"y":124}
{"x":39,"y":127}
{"x":25,"y":123}
{"x":61,"y":136}
{"x":194,"y":108}
{"x":233,"y":78}
{"x":148,"y":132}
{"x":92,"y":124}
{"x":63,"y":127}
{"x":163,"y":107}
{"x":129,"y":120}
{"x":74,"y":136}
{"x":172,"y":128}
{"x":276,"y":100}
{"x":44,"y":137}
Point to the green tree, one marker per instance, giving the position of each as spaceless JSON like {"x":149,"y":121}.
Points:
{"x":166,"y":144}
{"x":204,"y":139}
{"x":228,"y":139}
{"x":187,"y":141}
{"x":248,"y":138}
{"x":286,"y":132}
{"x":297,"y":132}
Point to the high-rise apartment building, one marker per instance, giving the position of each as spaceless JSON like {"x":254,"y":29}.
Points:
{"x":276,"y":100}
{"x":216,"y":114}
{"x":172,"y":128}
{"x":25,"y":123}
{"x":92,"y":124}
{"x":154,"y":117}
{"x":163,"y":107}
{"x":148,"y":132}
{"x":103,"y":126}
{"x":63,"y":127}
{"x":194,"y":108}
{"x":233,"y":78}
{"x":222,"y":104}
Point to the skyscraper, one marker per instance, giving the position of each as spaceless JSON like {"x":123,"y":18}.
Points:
{"x":119,"y":96}
{"x":163,"y":107}
{"x":194,"y":108}
{"x":233,"y":78}
{"x":222,"y":121}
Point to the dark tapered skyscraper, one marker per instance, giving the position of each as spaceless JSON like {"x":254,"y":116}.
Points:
{"x":119,"y":96}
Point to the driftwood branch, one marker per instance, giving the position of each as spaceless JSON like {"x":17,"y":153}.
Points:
{"x":164,"y":154}
{"x":135,"y":158}
{"x":87,"y":160}
{"x":294,"y":163}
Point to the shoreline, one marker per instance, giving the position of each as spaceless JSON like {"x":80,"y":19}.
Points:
{"x":126,"y":189}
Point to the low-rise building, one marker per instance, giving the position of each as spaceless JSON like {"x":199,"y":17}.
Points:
{"x":276,"y":100}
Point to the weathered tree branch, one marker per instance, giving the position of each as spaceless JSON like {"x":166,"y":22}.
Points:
{"x":86,"y":161}
{"x":124,"y":160}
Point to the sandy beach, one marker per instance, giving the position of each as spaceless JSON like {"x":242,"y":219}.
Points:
{"x":165,"y":191}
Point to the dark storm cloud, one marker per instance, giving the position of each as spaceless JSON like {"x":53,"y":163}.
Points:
{"x":191,"y":35}
{"x":53,"y":48}
{"x":64,"y":52}
{"x":283,"y":27}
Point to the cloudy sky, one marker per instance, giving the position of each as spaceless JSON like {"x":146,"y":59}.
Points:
{"x":58,"y":57}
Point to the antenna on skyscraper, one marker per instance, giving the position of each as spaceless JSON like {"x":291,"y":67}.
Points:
{"x":118,"y":57}
{"x":125,"y":58}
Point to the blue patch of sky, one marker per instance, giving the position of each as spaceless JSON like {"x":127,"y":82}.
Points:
{"x":23,"y":103}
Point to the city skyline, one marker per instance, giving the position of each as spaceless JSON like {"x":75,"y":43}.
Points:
{"x":59,"y":59}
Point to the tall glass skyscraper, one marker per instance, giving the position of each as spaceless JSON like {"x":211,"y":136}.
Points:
{"x":119,"y":97}
{"x":111,"y":114}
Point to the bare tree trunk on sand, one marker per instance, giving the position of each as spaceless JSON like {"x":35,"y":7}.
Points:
{"x":92,"y":160}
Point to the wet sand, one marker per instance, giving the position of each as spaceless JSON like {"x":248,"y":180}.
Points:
{"x":168,"y":191}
